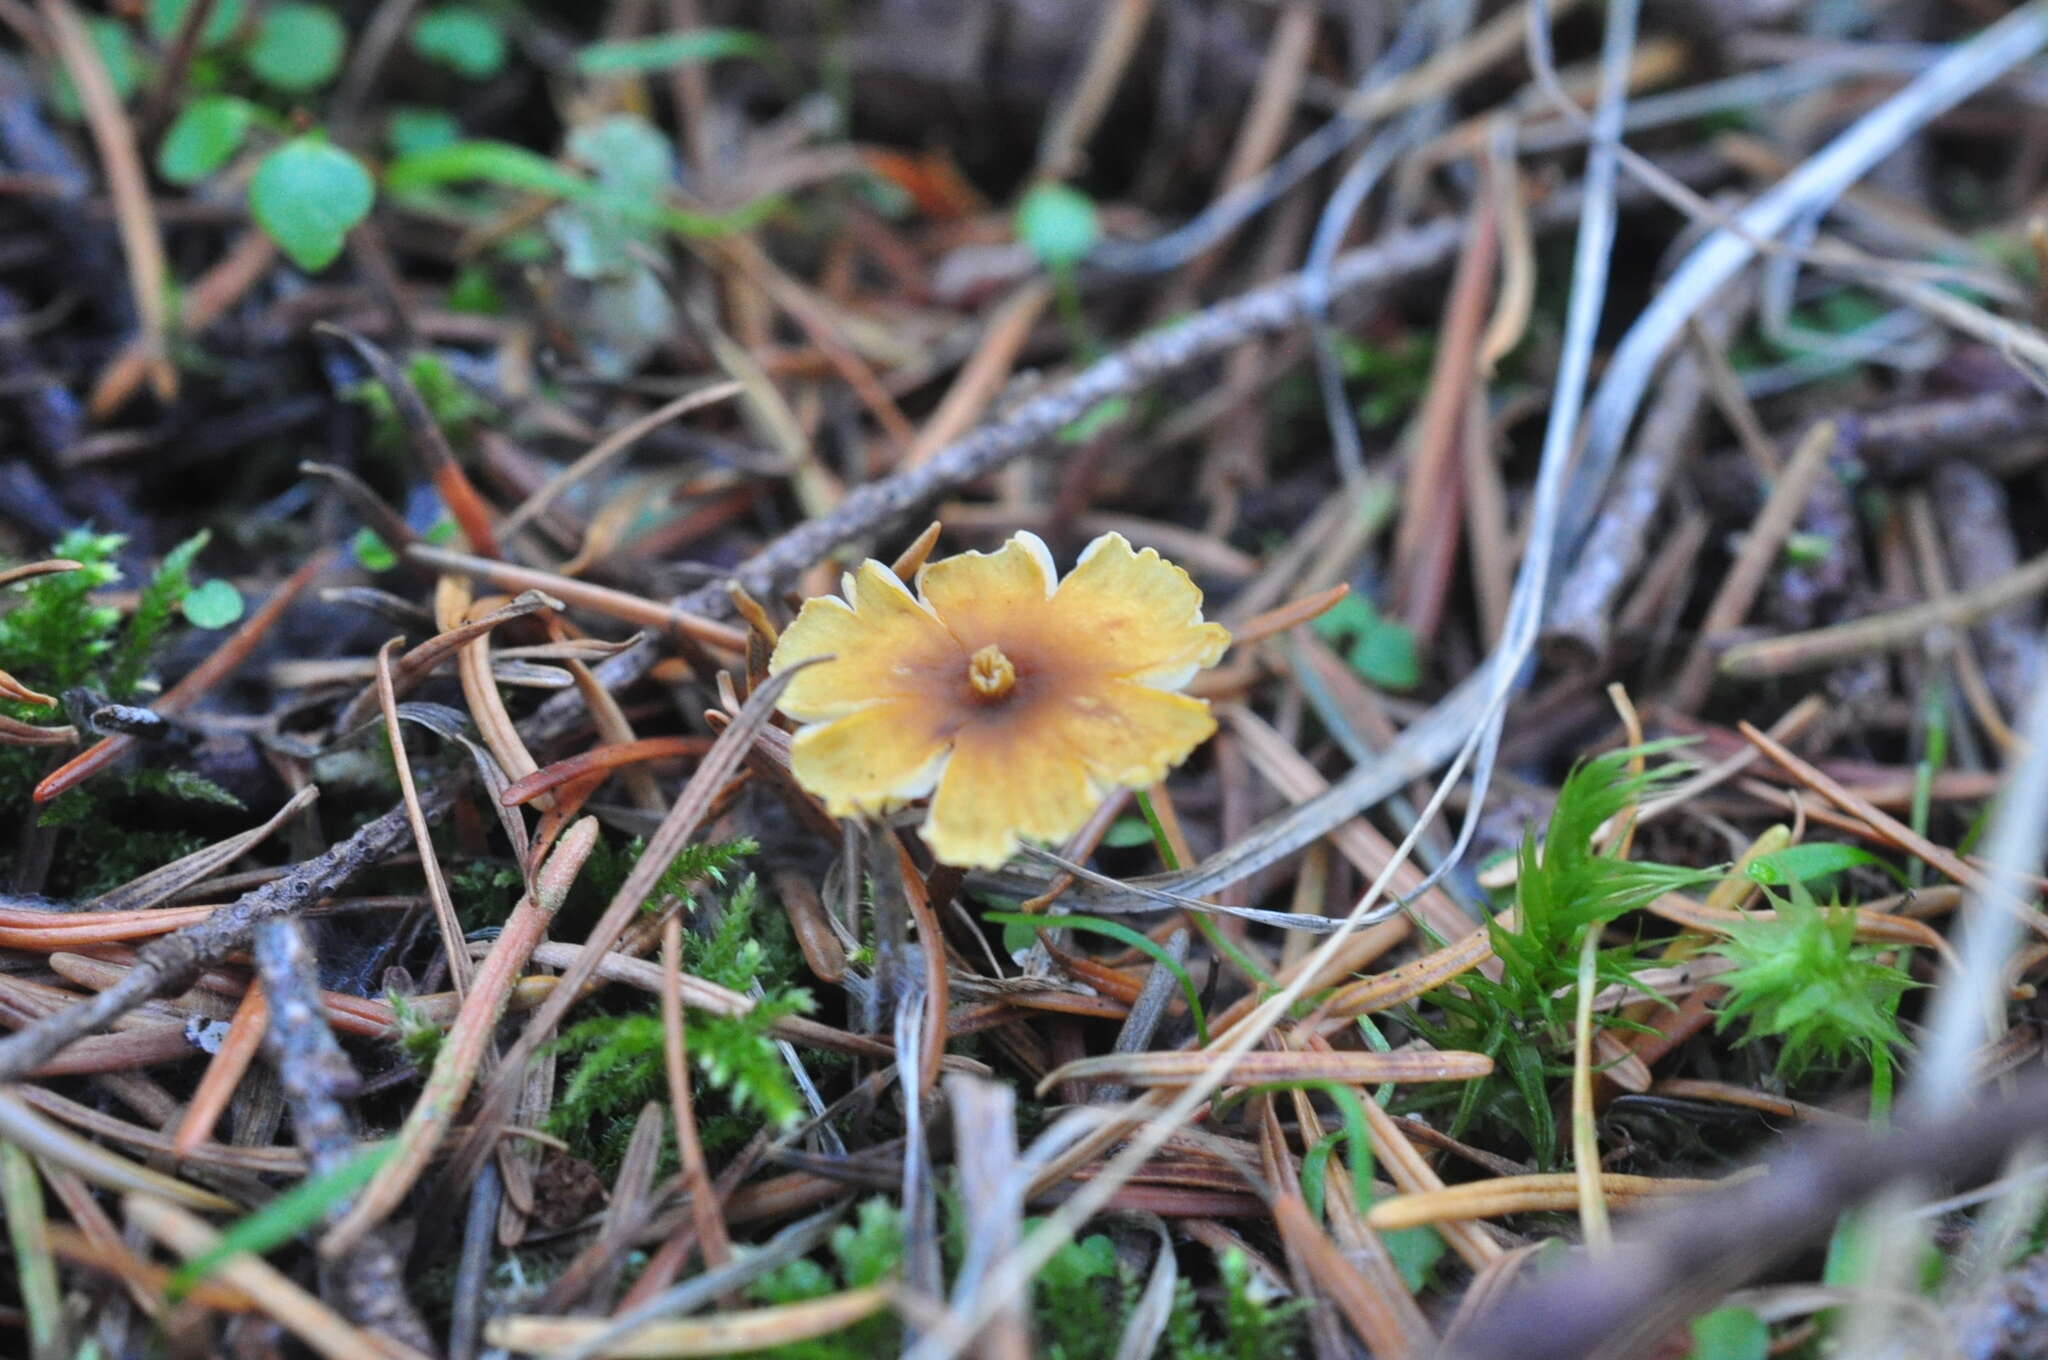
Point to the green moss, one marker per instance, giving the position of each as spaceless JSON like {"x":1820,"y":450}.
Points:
{"x":620,"y":1066}
{"x":56,"y":637}
{"x":1803,"y":980}
{"x":1564,"y":889}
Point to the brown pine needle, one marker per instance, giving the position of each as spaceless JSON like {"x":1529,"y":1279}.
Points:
{"x":149,"y":276}
{"x":224,"y":1074}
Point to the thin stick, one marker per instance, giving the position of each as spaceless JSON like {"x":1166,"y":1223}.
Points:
{"x":612,"y":445}
{"x":1900,"y":628}
{"x":316,"y":1077}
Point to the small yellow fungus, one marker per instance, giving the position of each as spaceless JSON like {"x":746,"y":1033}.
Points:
{"x":1016,"y":700}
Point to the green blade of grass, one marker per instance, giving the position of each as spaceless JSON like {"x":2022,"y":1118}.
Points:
{"x":284,"y":1218}
{"x":21,"y":1192}
{"x":1355,"y":1131}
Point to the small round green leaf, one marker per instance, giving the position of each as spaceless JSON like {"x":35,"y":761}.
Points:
{"x":306,"y":195}
{"x":204,"y":135}
{"x":166,"y":17}
{"x":1058,"y":223}
{"x":462,"y":38}
{"x":298,"y":48}
{"x":215,"y":604}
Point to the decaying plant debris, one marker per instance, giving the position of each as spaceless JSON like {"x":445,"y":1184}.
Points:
{"x":1435,"y":744}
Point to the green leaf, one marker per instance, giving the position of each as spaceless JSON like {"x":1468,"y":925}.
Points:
{"x":1378,"y":648}
{"x":626,"y":153}
{"x":159,"y":599}
{"x":1385,"y":655}
{"x":1058,"y":223}
{"x":689,"y":47}
{"x":500,"y":163}
{"x":306,"y":195}
{"x":462,"y":38}
{"x":1416,"y":1252}
{"x":297,"y":48}
{"x":167,"y":16}
{"x":1126,"y":832}
{"x":1804,"y":863}
{"x":1122,"y":934}
{"x":1730,"y":1334}
{"x":204,"y":135}
{"x":290,"y":1214}
{"x":411,"y":131}
{"x":371,"y":552}
{"x":216,"y":604}
{"x":1095,"y":420}
{"x":473,"y":291}
{"x":116,"y":52}
{"x":1806,"y":550}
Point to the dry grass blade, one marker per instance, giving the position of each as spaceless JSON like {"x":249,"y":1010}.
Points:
{"x":200,"y":305}
{"x":602,"y":760}
{"x":11,"y":688}
{"x":160,"y":885}
{"x":28,"y":571}
{"x":416,"y":664}
{"x":423,"y":433}
{"x":712,"y":1240}
{"x":610,"y":447}
{"x":238,"y":1048}
{"x":1886,"y":826}
{"x":430,"y":860}
{"x":1760,"y":549}
{"x":633,"y":609}
{"x":23,"y":1127}
{"x":15,"y":732}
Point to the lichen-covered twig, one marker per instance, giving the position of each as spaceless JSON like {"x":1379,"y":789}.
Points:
{"x":1679,"y":1262}
{"x":368,"y":1282}
{"x":172,"y":963}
